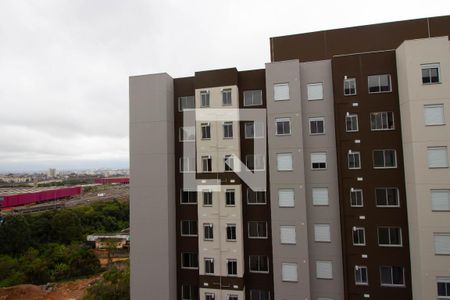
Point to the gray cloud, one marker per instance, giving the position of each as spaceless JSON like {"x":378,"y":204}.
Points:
{"x":64,"y":65}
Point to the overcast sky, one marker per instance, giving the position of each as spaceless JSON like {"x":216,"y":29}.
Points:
{"x":64,"y":64}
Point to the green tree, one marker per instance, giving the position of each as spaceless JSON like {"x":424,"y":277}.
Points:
{"x":114,"y":285}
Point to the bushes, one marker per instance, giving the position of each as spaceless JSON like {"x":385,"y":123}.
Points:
{"x":114,"y":285}
{"x":38,"y":248}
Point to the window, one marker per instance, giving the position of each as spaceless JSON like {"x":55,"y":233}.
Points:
{"x":252,"y":98}
{"x":390,"y":236}
{"x":359,"y":236}
{"x":437,"y":157}
{"x":189,"y":228}
{"x":210,"y":296}
{"x":356,"y":198}
{"x":209,"y":265}
{"x":256,"y":197}
{"x":443,"y":287}
{"x":318,"y":160}
{"x":187,"y":134}
{"x":284,"y":161}
{"x":229,"y":163}
{"x":188,"y":292}
{"x":287,"y":235}
{"x":189,"y":260}
{"x":382,"y":121}
{"x":361,"y":275}
{"x":442,"y":243}
{"x":289,"y":272}
{"x":259,"y":295}
{"x":322,"y":233}
{"x":227,"y":130}
{"x":259,"y":264}
{"x":320,"y":196}
{"x":206,"y":163}
{"x":204,"y":99}
{"x":186,"y":166}
{"x":257,"y":230}
{"x":315,"y":91}
{"x":230,"y":197}
{"x":379,"y":83}
{"x":186,"y":103}
{"x":231,"y":232}
{"x":254,"y":130}
{"x":354,"y":160}
{"x":206,"y":131}
{"x":383,"y":159}
{"x":316,"y":126}
{"x":349,"y":86}
{"x":283,"y":126}
{"x":231,"y":266}
{"x":387,"y":197}
{"x":286,"y":198}
{"x":226,"y":97}
{"x":351,"y":123}
{"x":188,"y":197}
{"x":208,"y":231}
{"x":434,"y":114}
{"x":255,"y":162}
{"x":392,"y":275}
{"x":430,"y":73}
{"x":324,"y":270}
{"x":440,"y":200}
{"x":233,"y":297}
{"x":207,"y":198}
{"x":281,"y":91}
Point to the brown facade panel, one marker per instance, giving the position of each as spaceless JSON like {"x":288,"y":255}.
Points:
{"x":326,"y":44}
{"x":368,"y":178}
{"x":214,"y":78}
{"x":222,"y":282}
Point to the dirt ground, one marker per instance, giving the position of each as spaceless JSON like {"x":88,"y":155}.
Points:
{"x":72,"y":290}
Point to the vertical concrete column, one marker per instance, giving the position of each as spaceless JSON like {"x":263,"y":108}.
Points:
{"x":152,"y":188}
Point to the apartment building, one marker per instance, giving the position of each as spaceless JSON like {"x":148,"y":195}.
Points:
{"x":323,"y":176}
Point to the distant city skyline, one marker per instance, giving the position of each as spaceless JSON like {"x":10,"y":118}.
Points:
{"x":65,"y":64}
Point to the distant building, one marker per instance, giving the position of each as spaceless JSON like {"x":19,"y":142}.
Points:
{"x":51,"y":173}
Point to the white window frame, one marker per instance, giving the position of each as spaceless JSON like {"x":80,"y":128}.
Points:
{"x":181,"y":165}
{"x":180,"y":101}
{"x":293,"y":268}
{"x":384,"y":117}
{"x":286,"y":156}
{"x":288,"y":230}
{"x":254,"y":161}
{"x":320,"y":162}
{"x":349,"y":81}
{"x":188,"y":203}
{"x":207,"y":127}
{"x":316,"y":119}
{"x":309,"y":91}
{"x":384,"y":159}
{"x":315,"y":191}
{"x":189,"y":268}
{"x":257,"y":237}
{"x":188,"y":234}
{"x":426,"y":113}
{"x":379,"y":83}
{"x":246,"y":93}
{"x":210,"y":260}
{"x":256,"y":197}
{"x":231,"y":239}
{"x":354,"y":120}
{"x":203,"y":158}
{"x":442,"y":191}
{"x":286,"y":202}
{"x":317,"y":231}
{"x":279,"y":94}
{"x":205,"y":99}
{"x":446,"y":281}
{"x":437,"y":251}
{"x":231,"y":260}
{"x":392,"y":277}
{"x":397,"y":191}
{"x":226,"y":124}
{"x":354,"y":153}
{"x":428,"y":67}
{"x":360,"y":268}
{"x":324,"y":263}
{"x":210,"y":296}
{"x":358,"y":229}
{"x":233,"y":192}
{"x":211,"y":226}
{"x":256,"y":134}
{"x":436,"y":148}
{"x":389,"y":234}
{"x":259,"y":260}
{"x":225,"y":92}
{"x":282,"y":120}
{"x":358,"y":190}
{"x":203,"y":198}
